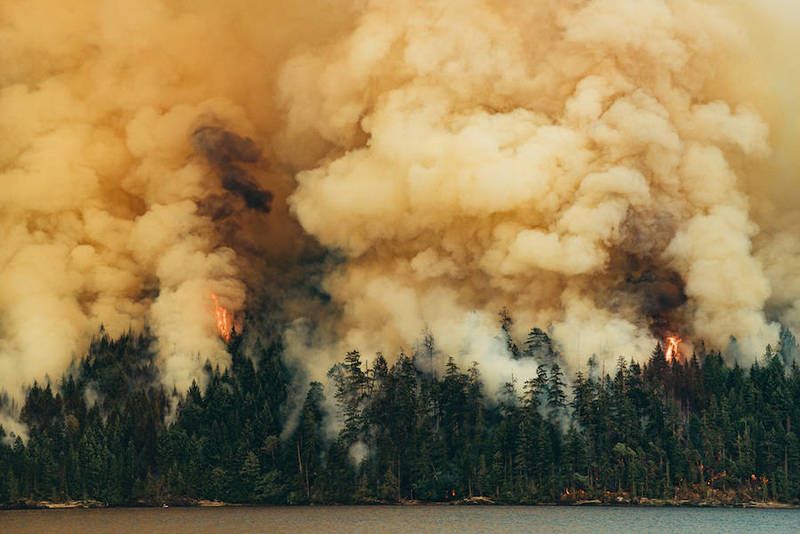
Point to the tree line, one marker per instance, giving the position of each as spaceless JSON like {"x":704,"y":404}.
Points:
{"x":694,"y":428}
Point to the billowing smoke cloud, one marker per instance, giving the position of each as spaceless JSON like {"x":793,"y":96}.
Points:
{"x":599,"y":168}
{"x":583,"y":164}
{"x":134,"y":182}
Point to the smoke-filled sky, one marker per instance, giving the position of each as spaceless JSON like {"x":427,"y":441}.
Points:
{"x":612,"y":170}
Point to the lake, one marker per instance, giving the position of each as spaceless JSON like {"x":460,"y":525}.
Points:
{"x":369,"y":519}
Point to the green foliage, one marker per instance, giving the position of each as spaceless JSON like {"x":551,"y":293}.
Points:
{"x":109,"y":431}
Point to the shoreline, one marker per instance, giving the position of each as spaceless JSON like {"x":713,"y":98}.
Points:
{"x":475,"y":501}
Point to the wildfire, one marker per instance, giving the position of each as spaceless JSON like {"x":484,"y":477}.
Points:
{"x":223,"y":319}
{"x":671,"y":344}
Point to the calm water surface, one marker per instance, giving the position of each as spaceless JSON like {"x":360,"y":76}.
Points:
{"x":368,"y":519}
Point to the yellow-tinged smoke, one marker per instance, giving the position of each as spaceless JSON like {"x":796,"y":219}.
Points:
{"x":610,"y":169}
{"x":596,"y":166}
{"x":108,"y":200}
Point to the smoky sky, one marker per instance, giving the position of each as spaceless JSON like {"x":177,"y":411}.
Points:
{"x":609,"y":171}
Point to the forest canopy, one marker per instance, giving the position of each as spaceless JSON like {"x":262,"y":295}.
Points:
{"x":690,"y":428}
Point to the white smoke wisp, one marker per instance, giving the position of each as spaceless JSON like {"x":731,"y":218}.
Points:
{"x":13,"y":429}
{"x":575,"y":162}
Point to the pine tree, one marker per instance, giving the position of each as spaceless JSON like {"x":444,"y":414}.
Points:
{"x":250,"y":474}
{"x":556,"y":395}
{"x":506,"y":322}
{"x":539,"y":346}
{"x":309,"y":438}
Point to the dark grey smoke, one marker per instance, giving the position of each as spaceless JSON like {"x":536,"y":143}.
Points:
{"x":226,"y":151}
{"x":223,"y":147}
{"x":659,"y":290}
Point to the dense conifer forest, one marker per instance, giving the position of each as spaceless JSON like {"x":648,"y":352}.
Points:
{"x":692,"y":429}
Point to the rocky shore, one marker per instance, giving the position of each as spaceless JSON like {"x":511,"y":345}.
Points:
{"x":470,"y":501}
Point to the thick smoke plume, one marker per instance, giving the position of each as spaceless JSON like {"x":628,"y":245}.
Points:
{"x":130,"y":150}
{"x":588,"y":165}
{"x":611,"y":170}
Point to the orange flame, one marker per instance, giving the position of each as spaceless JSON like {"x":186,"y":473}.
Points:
{"x":223,"y":319}
{"x":672,"y":343}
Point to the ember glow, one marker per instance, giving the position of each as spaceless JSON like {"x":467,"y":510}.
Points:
{"x":223,"y":319}
{"x":671,"y":344}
